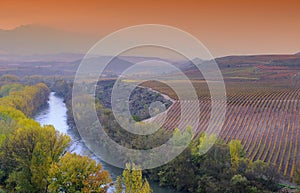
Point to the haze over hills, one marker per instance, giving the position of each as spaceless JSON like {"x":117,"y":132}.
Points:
{"x":233,"y":68}
{"x":40,"y":50}
{"x":61,"y":57}
{"x":36,"y":39}
{"x":253,"y":67}
{"x":67,"y":64}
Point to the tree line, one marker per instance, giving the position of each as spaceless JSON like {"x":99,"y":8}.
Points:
{"x":33,"y":158}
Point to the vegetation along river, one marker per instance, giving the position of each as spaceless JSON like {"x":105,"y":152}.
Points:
{"x":55,"y":113}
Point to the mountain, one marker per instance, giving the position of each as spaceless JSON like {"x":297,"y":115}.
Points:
{"x":254,"y":60}
{"x":254,"y":67}
{"x":61,"y":57}
{"x":36,"y":39}
{"x":119,"y":64}
{"x":115,"y":67}
{"x":64,"y":64}
{"x":67,"y":64}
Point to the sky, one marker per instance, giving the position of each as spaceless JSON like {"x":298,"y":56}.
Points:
{"x":225,"y":27}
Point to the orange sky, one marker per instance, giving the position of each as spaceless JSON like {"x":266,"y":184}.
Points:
{"x":225,"y":27}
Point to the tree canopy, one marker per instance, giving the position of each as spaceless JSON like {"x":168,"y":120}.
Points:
{"x":75,"y":173}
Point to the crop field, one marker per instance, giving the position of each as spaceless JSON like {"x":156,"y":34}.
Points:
{"x":264,"y":118}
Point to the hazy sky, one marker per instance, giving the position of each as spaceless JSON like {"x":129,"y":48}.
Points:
{"x":225,"y":26}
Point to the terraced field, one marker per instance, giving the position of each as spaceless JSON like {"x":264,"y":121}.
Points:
{"x":267,"y":123}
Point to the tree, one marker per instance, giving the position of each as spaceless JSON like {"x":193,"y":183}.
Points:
{"x":29,"y":153}
{"x":146,"y":187}
{"x":5,"y":90}
{"x":9,"y":78}
{"x":239,"y":183}
{"x":75,"y":173}
{"x":182,"y":138}
{"x":26,"y":148}
{"x":263,"y":173}
{"x":61,"y":88}
{"x":133,"y":181}
{"x":118,"y":185}
{"x":206,"y":142}
{"x":236,"y":152}
{"x":28,"y":100}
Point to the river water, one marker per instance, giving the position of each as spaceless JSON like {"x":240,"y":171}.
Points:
{"x":55,"y":113}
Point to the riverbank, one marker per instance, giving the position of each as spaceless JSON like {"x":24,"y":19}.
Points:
{"x":55,"y":113}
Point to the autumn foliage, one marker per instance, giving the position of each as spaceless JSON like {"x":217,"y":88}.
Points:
{"x":32,"y":156}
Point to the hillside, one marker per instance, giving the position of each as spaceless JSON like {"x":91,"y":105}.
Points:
{"x":262,"y":106}
{"x":255,"y":67}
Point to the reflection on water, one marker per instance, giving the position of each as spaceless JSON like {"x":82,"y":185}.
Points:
{"x":55,"y":113}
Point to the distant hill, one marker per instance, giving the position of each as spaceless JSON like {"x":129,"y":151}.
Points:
{"x":35,"y":39}
{"x":234,"y":68}
{"x":255,"y":67}
{"x":61,"y":57}
{"x":58,"y":64}
{"x":114,"y":67}
{"x":253,"y":60}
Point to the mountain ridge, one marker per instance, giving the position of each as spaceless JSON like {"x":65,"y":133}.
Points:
{"x":37,"y":39}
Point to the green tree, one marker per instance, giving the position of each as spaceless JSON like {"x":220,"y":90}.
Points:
{"x":182,"y":138}
{"x":133,"y":181}
{"x":27,"y":100}
{"x":206,"y":142}
{"x":239,"y":183}
{"x":29,"y":153}
{"x":75,"y":173}
{"x":264,"y":174}
{"x":61,"y":88}
{"x":195,"y":172}
{"x":236,"y":152}
{"x":118,"y":185}
{"x":5,"y":90}
{"x":9,"y":78}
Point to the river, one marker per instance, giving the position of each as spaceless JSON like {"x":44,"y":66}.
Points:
{"x":55,"y":113}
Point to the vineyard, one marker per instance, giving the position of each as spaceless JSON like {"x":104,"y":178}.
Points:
{"x":265,"y":120}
